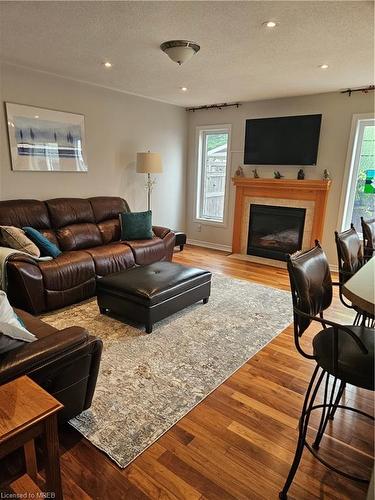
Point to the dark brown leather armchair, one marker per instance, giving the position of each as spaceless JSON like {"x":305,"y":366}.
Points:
{"x":87,"y":231}
{"x":64,"y":362}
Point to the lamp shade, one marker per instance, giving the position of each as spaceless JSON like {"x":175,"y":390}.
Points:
{"x":149,"y":163}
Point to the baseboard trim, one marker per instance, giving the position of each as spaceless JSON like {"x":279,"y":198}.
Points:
{"x":207,"y":244}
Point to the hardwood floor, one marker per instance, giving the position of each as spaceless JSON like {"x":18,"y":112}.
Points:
{"x":240,"y":441}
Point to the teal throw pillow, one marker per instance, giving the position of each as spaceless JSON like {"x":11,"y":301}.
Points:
{"x":46,"y":248}
{"x":136,"y":225}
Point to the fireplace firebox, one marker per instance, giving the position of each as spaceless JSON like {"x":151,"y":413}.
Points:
{"x":275,"y":231}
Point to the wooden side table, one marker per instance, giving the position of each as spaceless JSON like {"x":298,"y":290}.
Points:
{"x":26,"y":412}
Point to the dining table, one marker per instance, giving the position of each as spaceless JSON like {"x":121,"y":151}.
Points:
{"x":360,"y":288}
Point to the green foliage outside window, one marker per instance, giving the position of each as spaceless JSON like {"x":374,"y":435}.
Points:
{"x":364,"y":203}
{"x":215,"y":140}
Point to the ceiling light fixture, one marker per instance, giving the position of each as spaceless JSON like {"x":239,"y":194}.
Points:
{"x":107,"y":64}
{"x":36,"y":116}
{"x":180,"y":51}
{"x":184,"y":89}
{"x":270,"y":24}
{"x":323,"y":66}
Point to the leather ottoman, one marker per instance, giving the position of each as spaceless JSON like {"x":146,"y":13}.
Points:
{"x":150,"y":293}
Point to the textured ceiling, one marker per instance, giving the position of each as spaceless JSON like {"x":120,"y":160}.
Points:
{"x":239,"y":58}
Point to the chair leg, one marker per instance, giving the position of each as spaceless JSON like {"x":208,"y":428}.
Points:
{"x":337,"y":400}
{"x":303,"y":426}
{"x":325,"y":413}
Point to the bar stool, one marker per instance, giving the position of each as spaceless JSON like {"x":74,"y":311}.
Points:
{"x":350,"y":260}
{"x":368,"y":233}
{"x":345,"y":353}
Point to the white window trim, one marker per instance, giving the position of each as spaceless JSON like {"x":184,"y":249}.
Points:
{"x":347,"y":194}
{"x":197,"y":156}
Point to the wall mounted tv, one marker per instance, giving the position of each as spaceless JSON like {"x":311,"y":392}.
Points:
{"x":287,"y":140}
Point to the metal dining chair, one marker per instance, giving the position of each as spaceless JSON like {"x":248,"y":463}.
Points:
{"x":350,"y":260}
{"x":368,"y":234}
{"x":342,"y":353}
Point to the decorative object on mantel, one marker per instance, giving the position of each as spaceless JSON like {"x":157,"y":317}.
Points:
{"x":301,"y":174}
{"x":255,"y":173}
{"x":326,"y":174}
{"x":277,"y":175}
{"x":239,"y":172}
{"x":215,"y":106}
{"x":45,"y":140}
{"x":149,"y":163}
{"x":364,"y":90}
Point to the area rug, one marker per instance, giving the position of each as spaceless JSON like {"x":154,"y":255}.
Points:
{"x":149,"y":382}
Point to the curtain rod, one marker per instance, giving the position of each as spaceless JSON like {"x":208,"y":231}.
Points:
{"x":215,"y":106}
{"x":364,"y":90}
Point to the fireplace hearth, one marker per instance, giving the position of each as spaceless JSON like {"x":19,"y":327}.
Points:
{"x":275,"y":231}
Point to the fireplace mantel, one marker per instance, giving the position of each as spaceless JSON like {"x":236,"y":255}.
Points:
{"x":311,"y":190}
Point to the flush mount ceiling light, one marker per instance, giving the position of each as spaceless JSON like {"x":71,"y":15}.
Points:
{"x":180,"y":51}
{"x":270,"y":24}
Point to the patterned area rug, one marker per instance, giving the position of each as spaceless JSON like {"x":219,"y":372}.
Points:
{"x":149,"y":382}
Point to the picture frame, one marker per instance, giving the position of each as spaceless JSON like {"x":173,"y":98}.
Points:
{"x":45,"y":140}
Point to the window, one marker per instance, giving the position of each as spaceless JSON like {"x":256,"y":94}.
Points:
{"x":360,"y":193}
{"x":213,"y":161}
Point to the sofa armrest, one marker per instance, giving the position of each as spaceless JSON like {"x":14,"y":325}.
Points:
{"x":29,"y":357}
{"x":169,"y":242}
{"x":160,"y":231}
{"x":25,"y":287}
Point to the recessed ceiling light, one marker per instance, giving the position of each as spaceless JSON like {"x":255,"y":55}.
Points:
{"x":270,"y":24}
{"x":36,"y":116}
{"x":323,"y":66}
{"x":184,"y":89}
{"x":107,"y":64}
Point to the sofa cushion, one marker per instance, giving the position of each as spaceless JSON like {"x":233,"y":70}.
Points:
{"x":15,"y":237}
{"x":136,"y":225}
{"x":110,"y":230}
{"x":147,"y":251}
{"x":106,"y":212}
{"x":22,"y":213}
{"x":46,"y":247}
{"x":68,"y":270}
{"x":108,"y":207}
{"x":111,"y":258}
{"x":66,"y":211}
{"x":78,"y":236}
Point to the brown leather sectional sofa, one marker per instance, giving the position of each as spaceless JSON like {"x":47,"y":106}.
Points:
{"x":87,"y":231}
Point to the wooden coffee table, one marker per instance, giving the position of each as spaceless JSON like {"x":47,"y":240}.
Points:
{"x":26,"y":412}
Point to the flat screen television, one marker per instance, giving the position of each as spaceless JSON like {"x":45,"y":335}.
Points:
{"x":287,"y":140}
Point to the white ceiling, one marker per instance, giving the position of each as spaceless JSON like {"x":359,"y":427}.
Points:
{"x":239,"y":59}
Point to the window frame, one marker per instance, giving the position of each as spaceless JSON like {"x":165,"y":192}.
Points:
{"x":351,"y":164}
{"x":198,"y":174}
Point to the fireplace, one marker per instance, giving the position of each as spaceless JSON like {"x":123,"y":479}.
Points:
{"x":275,"y":231}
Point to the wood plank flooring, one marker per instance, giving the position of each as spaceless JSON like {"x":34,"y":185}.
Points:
{"x":239,"y":442}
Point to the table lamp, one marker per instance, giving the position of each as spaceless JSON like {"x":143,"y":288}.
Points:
{"x":149,"y":163}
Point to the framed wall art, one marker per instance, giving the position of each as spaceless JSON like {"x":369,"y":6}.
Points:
{"x":45,"y":140}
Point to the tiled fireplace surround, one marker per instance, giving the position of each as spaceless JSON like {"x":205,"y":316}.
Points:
{"x":309,"y":194}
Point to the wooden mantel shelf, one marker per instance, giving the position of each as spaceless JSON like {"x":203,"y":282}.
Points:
{"x":312,"y":190}
{"x":315,"y":184}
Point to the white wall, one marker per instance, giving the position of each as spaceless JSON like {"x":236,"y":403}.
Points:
{"x":337,"y":110}
{"x":117,"y":125}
